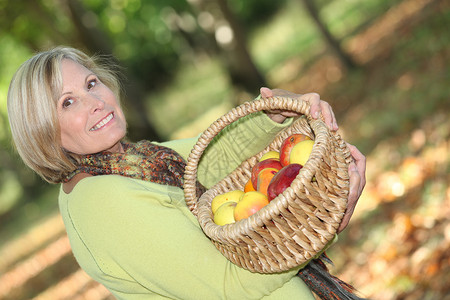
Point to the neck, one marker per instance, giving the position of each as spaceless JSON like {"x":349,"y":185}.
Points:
{"x":117,"y":148}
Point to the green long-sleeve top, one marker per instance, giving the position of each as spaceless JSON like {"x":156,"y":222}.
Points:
{"x":140,"y":240}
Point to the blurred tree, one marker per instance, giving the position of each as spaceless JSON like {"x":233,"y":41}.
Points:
{"x":223,"y":31}
{"x":97,"y":41}
{"x":21,"y":32}
{"x":331,"y":41}
{"x":241,"y":67}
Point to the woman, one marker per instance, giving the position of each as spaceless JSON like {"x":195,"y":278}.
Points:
{"x":122,"y":203}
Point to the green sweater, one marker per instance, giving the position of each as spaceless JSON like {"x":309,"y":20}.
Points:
{"x":140,"y":240}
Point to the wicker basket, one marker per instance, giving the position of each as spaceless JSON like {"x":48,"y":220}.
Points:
{"x":297,"y":224}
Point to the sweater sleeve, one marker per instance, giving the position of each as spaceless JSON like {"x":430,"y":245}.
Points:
{"x":155,"y":241}
{"x":234,"y":144}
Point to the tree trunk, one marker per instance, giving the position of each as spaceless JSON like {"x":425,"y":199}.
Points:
{"x":243,"y":71}
{"x":333,"y":43}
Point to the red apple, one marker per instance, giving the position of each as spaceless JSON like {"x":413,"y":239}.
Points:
{"x":288,"y":144}
{"x":282,"y":180}
{"x":267,"y":163}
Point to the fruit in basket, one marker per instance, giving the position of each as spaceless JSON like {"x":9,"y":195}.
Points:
{"x":232,"y":196}
{"x":288,"y":144}
{"x":225,"y":214}
{"x":270,"y":154}
{"x":267,"y":163}
{"x":301,"y":152}
{"x":249,"y":186}
{"x":264,"y":178}
{"x":282,"y":180}
{"x":249,"y":204}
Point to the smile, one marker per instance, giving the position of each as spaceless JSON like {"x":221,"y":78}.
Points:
{"x":102,"y":122}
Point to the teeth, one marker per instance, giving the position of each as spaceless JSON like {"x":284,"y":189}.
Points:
{"x":102,"y":123}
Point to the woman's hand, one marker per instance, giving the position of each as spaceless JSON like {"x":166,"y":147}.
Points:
{"x":317,"y":106}
{"x":357,"y":173}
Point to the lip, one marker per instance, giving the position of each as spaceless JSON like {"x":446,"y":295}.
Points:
{"x":103,"y":122}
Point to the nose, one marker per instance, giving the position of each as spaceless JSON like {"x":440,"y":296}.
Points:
{"x":95,"y":103}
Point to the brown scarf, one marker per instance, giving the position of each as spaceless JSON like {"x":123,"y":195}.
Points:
{"x":142,"y":160}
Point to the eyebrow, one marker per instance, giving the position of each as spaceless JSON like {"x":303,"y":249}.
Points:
{"x":85,"y":81}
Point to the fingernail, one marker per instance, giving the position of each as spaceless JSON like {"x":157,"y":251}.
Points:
{"x":316,"y":114}
{"x":352,"y":167}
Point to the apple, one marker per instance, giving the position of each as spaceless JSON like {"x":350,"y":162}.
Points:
{"x":225,"y":214}
{"x":249,"y":186}
{"x":270,"y":154}
{"x":267,"y":163}
{"x":288,"y":144}
{"x":301,"y":152}
{"x":232,"y":196}
{"x":264,"y":178}
{"x":282,"y":180}
{"x":249,"y":204}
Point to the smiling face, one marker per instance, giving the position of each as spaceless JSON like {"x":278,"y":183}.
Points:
{"x":89,"y":114}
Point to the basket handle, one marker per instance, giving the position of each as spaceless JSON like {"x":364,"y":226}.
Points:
{"x":272,"y":103}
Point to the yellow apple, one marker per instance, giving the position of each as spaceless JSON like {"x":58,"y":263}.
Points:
{"x":232,"y":196}
{"x":270,"y":154}
{"x":288,"y":144}
{"x":225,"y":214}
{"x":250,"y":203}
{"x":300,"y":152}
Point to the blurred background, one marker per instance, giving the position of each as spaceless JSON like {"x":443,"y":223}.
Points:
{"x":382,"y":64}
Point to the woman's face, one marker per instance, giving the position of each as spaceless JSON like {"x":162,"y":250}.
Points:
{"x":89,"y":114}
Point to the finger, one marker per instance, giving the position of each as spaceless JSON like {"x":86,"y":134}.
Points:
{"x":353,"y":196}
{"x":360,"y":161}
{"x":344,"y":222}
{"x":328,"y":115}
{"x":334,"y":121}
{"x":357,"y":155}
{"x":314,"y":101}
{"x":266,"y":92}
{"x":284,"y":93}
{"x":355,"y":180}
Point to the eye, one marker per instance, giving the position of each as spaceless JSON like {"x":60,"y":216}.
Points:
{"x":91,"y":83}
{"x":67,"y":102}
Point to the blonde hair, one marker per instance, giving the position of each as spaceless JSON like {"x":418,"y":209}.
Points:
{"x":32,"y":109}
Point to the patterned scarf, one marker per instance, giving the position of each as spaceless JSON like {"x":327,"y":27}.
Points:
{"x":142,"y":160}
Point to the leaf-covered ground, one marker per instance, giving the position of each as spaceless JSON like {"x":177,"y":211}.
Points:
{"x":396,"y":110}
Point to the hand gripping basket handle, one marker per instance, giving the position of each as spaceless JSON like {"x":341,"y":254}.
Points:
{"x":274,"y":103}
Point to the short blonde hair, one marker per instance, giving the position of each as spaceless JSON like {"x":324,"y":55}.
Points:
{"x":32,"y":109}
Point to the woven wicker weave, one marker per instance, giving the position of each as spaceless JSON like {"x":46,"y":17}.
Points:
{"x":296,"y":225}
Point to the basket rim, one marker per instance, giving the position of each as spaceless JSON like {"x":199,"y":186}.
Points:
{"x":244,"y":226}
{"x":272,"y":103}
